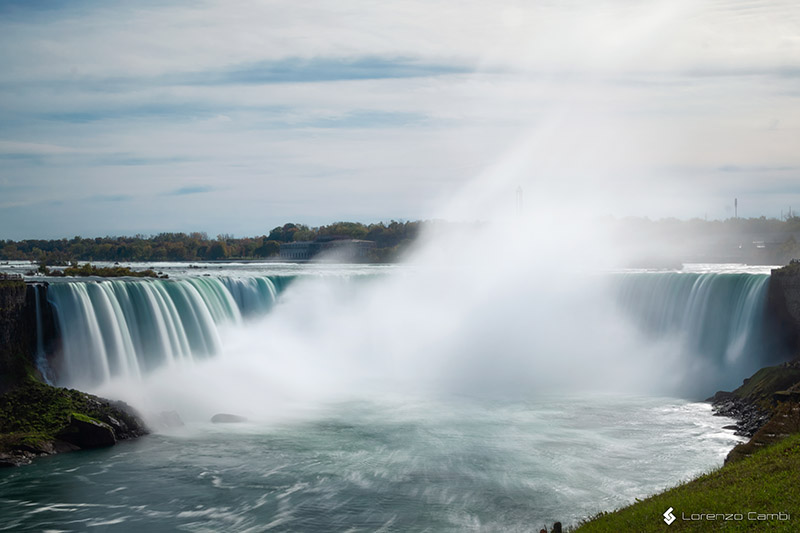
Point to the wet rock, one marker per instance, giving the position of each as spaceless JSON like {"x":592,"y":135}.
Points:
{"x":125,"y":420}
{"x":225,"y":418}
{"x":85,"y":432}
{"x":15,"y":458}
{"x":749,"y":418}
{"x":167,"y":420}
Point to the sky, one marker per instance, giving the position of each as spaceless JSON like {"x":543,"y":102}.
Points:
{"x":119,"y":118}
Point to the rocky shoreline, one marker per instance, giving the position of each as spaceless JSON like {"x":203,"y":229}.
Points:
{"x":749,"y":417}
{"x":766,"y":407}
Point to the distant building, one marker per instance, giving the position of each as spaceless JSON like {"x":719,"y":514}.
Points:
{"x":328,"y":249}
{"x":296,"y":251}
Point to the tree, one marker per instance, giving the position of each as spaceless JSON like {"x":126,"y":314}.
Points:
{"x":268,"y":248}
{"x":218,"y":250}
{"x":304,"y":235}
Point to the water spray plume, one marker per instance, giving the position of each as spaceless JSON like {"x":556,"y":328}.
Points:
{"x":498,"y":299}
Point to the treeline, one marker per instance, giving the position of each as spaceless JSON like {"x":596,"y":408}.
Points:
{"x":751,"y":240}
{"x":390,"y":241}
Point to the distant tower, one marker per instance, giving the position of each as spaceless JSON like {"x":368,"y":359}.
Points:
{"x":735,"y":208}
{"x":519,"y":200}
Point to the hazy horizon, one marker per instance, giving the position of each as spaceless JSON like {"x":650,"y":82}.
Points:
{"x":266,"y":231}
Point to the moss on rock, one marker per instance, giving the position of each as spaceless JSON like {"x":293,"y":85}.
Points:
{"x":35,"y":419}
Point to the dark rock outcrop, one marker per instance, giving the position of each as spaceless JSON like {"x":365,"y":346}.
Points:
{"x":18,"y":328}
{"x":749,"y":418}
{"x":38,"y":419}
{"x":86,"y":432}
{"x":15,"y":326}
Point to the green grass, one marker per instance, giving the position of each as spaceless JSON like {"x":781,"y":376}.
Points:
{"x":84,"y":418}
{"x":766,"y":482}
{"x":767,"y":381}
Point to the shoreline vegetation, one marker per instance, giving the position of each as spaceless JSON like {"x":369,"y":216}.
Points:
{"x":90,"y":270}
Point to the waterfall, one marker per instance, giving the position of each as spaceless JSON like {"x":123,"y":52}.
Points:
{"x":713,"y":327}
{"x":40,"y":355}
{"x":129,"y":327}
{"x":718,"y":320}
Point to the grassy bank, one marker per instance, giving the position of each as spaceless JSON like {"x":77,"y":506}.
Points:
{"x":767,"y":482}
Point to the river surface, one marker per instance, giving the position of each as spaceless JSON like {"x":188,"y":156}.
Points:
{"x":452,"y":464}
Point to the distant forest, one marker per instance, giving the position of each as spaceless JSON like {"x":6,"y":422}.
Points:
{"x":666,"y":241}
{"x":390,"y":241}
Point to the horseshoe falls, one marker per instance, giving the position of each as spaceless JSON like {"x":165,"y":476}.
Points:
{"x":712,"y":325}
{"x":398,"y":400}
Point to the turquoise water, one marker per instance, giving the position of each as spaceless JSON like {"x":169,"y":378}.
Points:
{"x":454,"y":464}
{"x":718,"y":318}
